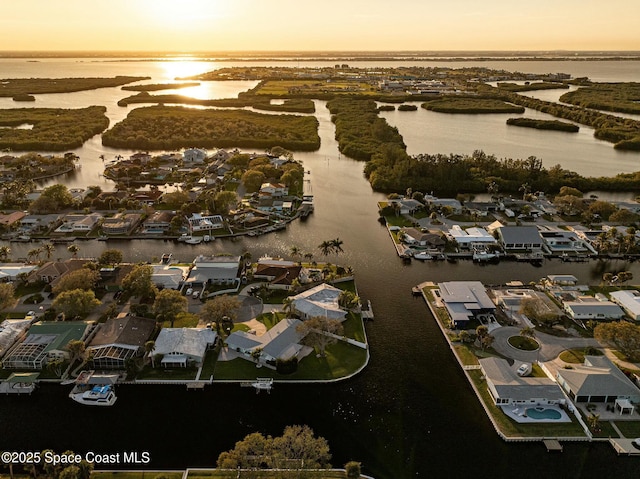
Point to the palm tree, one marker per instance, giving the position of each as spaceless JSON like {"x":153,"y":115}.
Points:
{"x":33,"y":254}
{"x":325,"y":247}
{"x":73,"y":249}
{"x":5,"y":251}
{"x":295,"y":251}
{"x":336,"y":245}
{"x":76,"y":349}
{"x":48,"y":249}
{"x":287,"y":305}
{"x":308,"y":256}
{"x":594,"y":422}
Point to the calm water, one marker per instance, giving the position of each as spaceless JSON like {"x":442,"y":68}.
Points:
{"x":411,"y":413}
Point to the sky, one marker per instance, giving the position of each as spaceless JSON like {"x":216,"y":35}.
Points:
{"x":319,"y":25}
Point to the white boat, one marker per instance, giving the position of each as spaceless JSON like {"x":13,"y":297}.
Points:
{"x":94,"y":389}
{"x":194,"y":240}
{"x":483,"y":256}
{"x":423,"y":255}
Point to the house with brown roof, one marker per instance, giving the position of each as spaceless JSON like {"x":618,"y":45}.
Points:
{"x":158,"y":222}
{"x":281,"y":276}
{"x":52,"y":271}
{"x":12,"y":219}
{"x":121,"y":224}
{"x":120,"y":339}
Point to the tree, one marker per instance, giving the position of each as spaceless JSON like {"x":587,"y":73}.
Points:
{"x":149,"y":347}
{"x":295,"y":252}
{"x":138,"y":282}
{"x":348,"y":300}
{"x":320,"y":332}
{"x":570,"y":191}
{"x":254,"y":451}
{"x":76,"y":302}
{"x":59,"y":194}
{"x":169,"y":303}
{"x":253,"y":180}
{"x":110,"y":257}
{"x":5,"y":252}
{"x":83,"y":278}
{"x":621,"y":335}
{"x":298,"y":448}
{"x":175,"y":199}
{"x":73,"y":249}
{"x":594,"y":422}
{"x":624,"y":276}
{"x":464,"y":336}
{"x":49,"y":249}
{"x":353,"y":468}
{"x":7,"y":292}
{"x":214,"y":310}
{"x":76,"y":349}
{"x":624,"y":217}
{"x":225,"y":200}
{"x":527,"y":332}
{"x":325,"y":247}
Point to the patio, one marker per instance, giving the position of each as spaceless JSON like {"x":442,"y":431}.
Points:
{"x":519,"y":413}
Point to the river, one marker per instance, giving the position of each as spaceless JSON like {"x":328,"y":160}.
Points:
{"x":410,"y":413}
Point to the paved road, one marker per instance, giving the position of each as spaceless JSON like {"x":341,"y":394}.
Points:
{"x":551,"y":346}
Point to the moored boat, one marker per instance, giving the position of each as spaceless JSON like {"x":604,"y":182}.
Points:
{"x":94,"y":389}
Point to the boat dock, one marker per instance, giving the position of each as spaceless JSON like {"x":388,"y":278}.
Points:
{"x":19,"y":383}
{"x":367,"y":314}
{"x":552,"y":445}
{"x":260,"y":384}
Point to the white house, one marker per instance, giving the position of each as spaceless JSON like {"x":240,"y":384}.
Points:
{"x":274,"y":190}
{"x":167,"y":276}
{"x":470,"y":236}
{"x":11,"y":271}
{"x":198,"y":222}
{"x":215,"y":270}
{"x":181,"y":346}
{"x":587,"y":307}
{"x":282,"y":342}
{"x":194,"y":155}
{"x":321,"y":300}
{"x":629,"y":300}
{"x":78,"y":223}
{"x":507,"y":388}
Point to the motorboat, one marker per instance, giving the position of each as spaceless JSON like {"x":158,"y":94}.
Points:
{"x":422,"y":255}
{"x":94,"y":389}
{"x":485,"y":256}
{"x":194,"y":240}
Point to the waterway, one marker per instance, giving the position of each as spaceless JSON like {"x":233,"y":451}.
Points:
{"x":410,"y":413}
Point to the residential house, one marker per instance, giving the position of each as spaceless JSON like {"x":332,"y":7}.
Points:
{"x":180,"y":347}
{"x":520,"y":238}
{"x":439,"y":203}
{"x":198,"y":222}
{"x":464,"y":300}
{"x":321,"y":300}
{"x":407,"y":206}
{"x":561,"y":241}
{"x":281,"y":276}
{"x":597,"y":380}
{"x":194,"y":155}
{"x":273,"y":190}
{"x":45,"y":342}
{"x":12,"y":271}
{"x":38,"y":223}
{"x":78,"y":223}
{"x":11,"y":220}
{"x":147,"y":197}
{"x":52,"y":271}
{"x":158,"y":223}
{"x":588,"y":307}
{"x":562,"y":280}
{"x":415,"y":237}
{"x":140,"y":157}
{"x":280,"y":343}
{"x":481,"y":208}
{"x":629,"y":300}
{"x":120,"y":339}
{"x":507,"y":388}
{"x":470,"y":236}
{"x":121,"y":223}
{"x":168,"y":276}
{"x":10,"y":331}
{"x":219,"y":270}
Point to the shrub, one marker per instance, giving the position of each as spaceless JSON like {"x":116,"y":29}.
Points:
{"x":288,"y":366}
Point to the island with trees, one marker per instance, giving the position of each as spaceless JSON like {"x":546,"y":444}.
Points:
{"x":470,"y":105}
{"x":555,"y":125}
{"x":617,"y":97}
{"x":15,"y":87}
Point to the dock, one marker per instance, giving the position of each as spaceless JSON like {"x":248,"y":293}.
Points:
{"x":552,"y":445}
{"x":195,"y":385}
{"x":367,"y":314}
{"x":19,"y":383}
{"x":260,"y":384}
{"x":624,"y":446}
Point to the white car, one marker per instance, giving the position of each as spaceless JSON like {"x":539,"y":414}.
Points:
{"x":524,"y":369}
{"x":189,"y":291}
{"x":31,"y":315}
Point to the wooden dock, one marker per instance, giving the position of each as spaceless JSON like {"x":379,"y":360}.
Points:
{"x":367,"y":314}
{"x":552,"y":445}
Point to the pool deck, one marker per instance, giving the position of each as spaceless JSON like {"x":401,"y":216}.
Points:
{"x":517,"y":413}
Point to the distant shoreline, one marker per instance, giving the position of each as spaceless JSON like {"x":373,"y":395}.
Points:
{"x":460,"y":56}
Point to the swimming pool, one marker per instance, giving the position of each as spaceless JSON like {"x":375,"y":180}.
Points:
{"x":543,"y":413}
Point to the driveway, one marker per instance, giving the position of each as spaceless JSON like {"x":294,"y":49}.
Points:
{"x":550,"y":346}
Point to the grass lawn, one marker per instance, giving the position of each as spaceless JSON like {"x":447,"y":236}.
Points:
{"x":184,"y":321}
{"x":341,"y":360}
{"x":173,"y":374}
{"x":466,"y":356}
{"x":393,"y":220}
{"x":25,"y":289}
{"x":576,"y":356}
{"x":354,"y":327}
{"x":209,"y":365}
{"x":630,"y":429}
{"x":511,"y":428}
{"x":266,"y":474}
{"x":524,"y":344}
{"x":270,"y":319}
{"x":135,"y":474}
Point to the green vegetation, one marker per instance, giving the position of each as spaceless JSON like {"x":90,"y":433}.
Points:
{"x":173,"y":374}
{"x":24,"y":97}
{"x":623,"y":132}
{"x":295,"y":105}
{"x":359,"y":130}
{"x":407,"y":108}
{"x":166,"y":128}
{"x":618,"y":97}
{"x":544,"y":124}
{"x":386,"y":108}
{"x":54,"y":129}
{"x":21,"y":86}
{"x":160,"y":86}
{"x":532,"y":86}
{"x":469,"y":104}
{"x":523,"y":343}
{"x":629,"y":428}
{"x":576,"y":356}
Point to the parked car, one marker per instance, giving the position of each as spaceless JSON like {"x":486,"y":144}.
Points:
{"x":524,"y":369}
{"x":195,"y":294}
{"x":189,"y":291}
